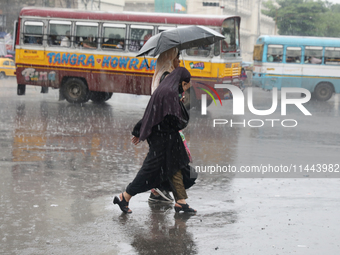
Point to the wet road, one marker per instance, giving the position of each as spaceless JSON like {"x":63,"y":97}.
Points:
{"x":61,"y":164}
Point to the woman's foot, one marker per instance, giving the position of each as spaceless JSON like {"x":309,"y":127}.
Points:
{"x":122,"y":203}
{"x":160,"y":196}
{"x":184,"y":207}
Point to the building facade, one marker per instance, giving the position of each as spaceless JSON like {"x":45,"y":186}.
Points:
{"x":253,"y":23}
{"x":101,"y":5}
{"x":10,"y":9}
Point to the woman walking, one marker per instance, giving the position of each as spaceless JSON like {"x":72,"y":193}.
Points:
{"x":166,"y":63}
{"x":167,"y":162}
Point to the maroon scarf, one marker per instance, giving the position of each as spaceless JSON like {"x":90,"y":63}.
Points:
{"x":164,"y":101}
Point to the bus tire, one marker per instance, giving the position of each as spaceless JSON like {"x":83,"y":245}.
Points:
{"x":21,"y":89}
{"x":109,"y":96}
{"x":75,"y":91}
{"x":323,"y":91}
{"x":100,"y":97}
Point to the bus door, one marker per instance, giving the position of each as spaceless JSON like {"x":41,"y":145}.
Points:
{"x":273,"y":68}
{"x":292,"y":68}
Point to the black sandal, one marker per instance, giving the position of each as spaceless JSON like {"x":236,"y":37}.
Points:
{"x":185,"y":208}
{"x":123,"y":205}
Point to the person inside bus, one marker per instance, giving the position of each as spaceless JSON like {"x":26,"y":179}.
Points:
{"x":52,"y":40}
{"x":278,"y":58}
{"x":167,"y":163}
{"x":135,"y":45}
{"x":89,"y":43}
{"x":314,"y":60}
{"x":297,"y":59}
{"x":120,"y":44}
{"x":290,"y":59}
{"x":166,"y":63}
{"x":111,"y":39}
{"x":270,"y":58}
{"x":65,"y":41}
{"x":147,"y":37}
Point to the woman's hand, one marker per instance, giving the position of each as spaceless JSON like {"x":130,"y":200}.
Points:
{"x":135,"y":140}
{"x":182,"y":99}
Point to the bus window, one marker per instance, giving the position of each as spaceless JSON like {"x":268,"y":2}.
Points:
{"x":33,"y":32}
{"x":230,"y":43}
{"x":113,"y":36}
{"x":201,"y":51}
{"x":274,"y":53}
{"x":59,"y":33}
{"x":313,"y":55}
{"x":86,"y":35}
{"x":162,"y":28}
{"x":332,"y":56}
{"x":138,"y":36}
{"x":293,"y":55}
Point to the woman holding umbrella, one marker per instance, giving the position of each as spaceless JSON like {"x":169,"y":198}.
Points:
{"x":164,"y":116}
{"x":166,"y":63}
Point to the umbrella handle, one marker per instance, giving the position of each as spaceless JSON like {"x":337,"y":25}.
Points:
{"x":183,"y":61}
{"x":147,"y":64}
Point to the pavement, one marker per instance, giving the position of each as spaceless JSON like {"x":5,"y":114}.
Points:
{"x":61,"y":165}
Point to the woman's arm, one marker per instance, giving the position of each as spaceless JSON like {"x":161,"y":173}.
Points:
{"x":176,"y":123}
{"x":136,"y":129}
{"x":136,"y":133}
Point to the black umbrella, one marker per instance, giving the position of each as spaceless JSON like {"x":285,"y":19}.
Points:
{"x":182,"y":38}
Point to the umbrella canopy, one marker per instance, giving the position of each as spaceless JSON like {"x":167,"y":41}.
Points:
{"x":182,"y":38}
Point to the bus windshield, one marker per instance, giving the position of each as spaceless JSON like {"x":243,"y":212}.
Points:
{"x":230,"y":28}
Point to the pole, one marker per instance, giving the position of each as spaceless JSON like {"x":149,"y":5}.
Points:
{"x":259,"y":19}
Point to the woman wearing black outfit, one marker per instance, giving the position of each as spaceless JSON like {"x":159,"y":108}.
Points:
{"x":166,"y":165}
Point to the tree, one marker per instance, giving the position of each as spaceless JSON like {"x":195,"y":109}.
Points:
{"x":328,"y":23}
{"x":297,"y":17}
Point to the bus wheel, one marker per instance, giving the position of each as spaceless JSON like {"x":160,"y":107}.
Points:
{"x":323,"y":91}
{"x":100,"y":97}
{"x":75,"y":91}
{"x":109,"y":96}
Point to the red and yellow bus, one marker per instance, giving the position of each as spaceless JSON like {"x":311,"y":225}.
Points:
{"x":90,"y":55}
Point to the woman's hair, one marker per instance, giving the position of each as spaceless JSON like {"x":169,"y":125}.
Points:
{"x":165,"y":62}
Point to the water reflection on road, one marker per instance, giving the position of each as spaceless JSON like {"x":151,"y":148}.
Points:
{"x":61,"y":164}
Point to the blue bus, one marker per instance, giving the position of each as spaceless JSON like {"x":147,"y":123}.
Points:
{"x":312,"y":63}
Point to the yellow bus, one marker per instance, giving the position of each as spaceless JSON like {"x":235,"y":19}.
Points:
{"x":90,"y":55}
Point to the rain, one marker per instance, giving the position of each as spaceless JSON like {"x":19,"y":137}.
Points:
{"x":267,"y":184}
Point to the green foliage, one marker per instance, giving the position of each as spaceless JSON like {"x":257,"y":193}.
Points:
{"x":305,"y":17}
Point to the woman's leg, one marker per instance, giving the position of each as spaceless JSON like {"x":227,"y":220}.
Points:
{"x":180,"y":194}
{"x":145,"y":180}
